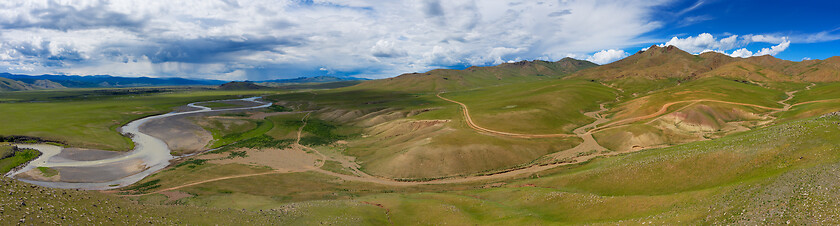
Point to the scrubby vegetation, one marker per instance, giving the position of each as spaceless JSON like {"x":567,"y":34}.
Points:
{"x":11,"y":157}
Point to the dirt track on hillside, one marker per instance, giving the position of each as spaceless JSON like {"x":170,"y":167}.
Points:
{"x":664,"y":109}
{"x":471,"y":124}
{"x":589,"y":144}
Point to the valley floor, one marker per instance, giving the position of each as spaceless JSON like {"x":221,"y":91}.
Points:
{"x":735,"y":153}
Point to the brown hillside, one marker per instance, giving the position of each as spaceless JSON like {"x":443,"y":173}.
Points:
{"x":655,"y":63}
{"x":742,"y":70}
{"x":670,"y":62}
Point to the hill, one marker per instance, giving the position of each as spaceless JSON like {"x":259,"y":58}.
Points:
{"x":473,"y":77}
{"x":240,"y":86}
{"x":671,"y":63}
{"x":657,"y":63}
{"x":316,"y":79}
{"x":15,"y":85}
{"x":12,"y":85}
{"x":94,"y":81}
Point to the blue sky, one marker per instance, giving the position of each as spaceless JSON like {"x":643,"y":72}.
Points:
{"x":272,"y":39}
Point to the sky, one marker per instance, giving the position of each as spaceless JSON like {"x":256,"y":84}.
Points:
{"x":262,"y":40}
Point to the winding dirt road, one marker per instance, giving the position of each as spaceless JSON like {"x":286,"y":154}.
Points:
{"x":664,"y":109}
{"x":471,"y":124}
{"x":588,"y":144}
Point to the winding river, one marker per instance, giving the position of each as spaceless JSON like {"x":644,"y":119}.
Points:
{"x":150,"y":154}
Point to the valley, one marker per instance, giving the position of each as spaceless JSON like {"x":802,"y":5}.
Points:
{"x":661,"y":137}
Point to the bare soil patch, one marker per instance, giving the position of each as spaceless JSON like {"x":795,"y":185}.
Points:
{"x":82,"y":154}
{"x":179,"y":133}
{"x":283,"y":160}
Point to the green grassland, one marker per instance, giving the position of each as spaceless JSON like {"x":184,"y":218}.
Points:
{"x":706,"y":88}
{"x":226,"y":131}
{"x":535,"y":107}
{"x":25,"y":204}
{"x":732,"y":178}
{"x":739,"y":179}
{"x":9,"y":158}
{"x":89,"y":117}
{"x":821,"y":91}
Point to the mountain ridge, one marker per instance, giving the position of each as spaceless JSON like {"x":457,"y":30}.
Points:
{"x":451,"y":79}
{"x":669,"y":62}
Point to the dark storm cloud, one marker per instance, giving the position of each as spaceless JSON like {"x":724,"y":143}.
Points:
{"x":41,"y":53}
{"x":432,"y":8}
{"x":560,"y":13}
{"x":214,"y":49}
{"x":64,"y":18}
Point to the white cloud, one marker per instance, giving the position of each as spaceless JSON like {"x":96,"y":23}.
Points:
{"x":743,"y":53}
{"x":773,"y":50}
{"x":607,"y":56}
{"x":706,"y":42}
{"x":265,"y":39}
{"x":703,"y":42}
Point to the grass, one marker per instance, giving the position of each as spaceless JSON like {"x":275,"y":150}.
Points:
{"x":334,"y":166}
{"x":89,"y":117}
{"x":16,"y":158}
{"x":285,"y":126}
{"x":48,"y":172}
{"x":535,"y":107}
{"x":735,"y":179}
{"x":821,"y":91}
{"x":69,"y":206}
{"x":675,"y":185}
{"x":319,"y":132}
{"x":225,"y":133}
{"x":257,"y":142}
{"x":707,"y":88}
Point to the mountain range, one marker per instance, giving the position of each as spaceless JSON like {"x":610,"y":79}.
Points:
{"x":666,"y":63}
{"x":17,"y":82}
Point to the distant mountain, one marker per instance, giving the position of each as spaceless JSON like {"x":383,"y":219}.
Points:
{"x":12,"y":85}
{"x":75,"y":81}
{"x":240,"y":86}
{"x":450,"y":80}
{"x":670,"y":62}
{"x":316,"y":79}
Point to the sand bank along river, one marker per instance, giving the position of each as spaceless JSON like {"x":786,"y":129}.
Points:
{"x":150,"y":155}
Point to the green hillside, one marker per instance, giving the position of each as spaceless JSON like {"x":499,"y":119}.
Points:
{"x":473,"y":77}
{"x":12,"y":85}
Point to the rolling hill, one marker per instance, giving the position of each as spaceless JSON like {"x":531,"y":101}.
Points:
{"x":663,"y":63}
{"x":474,"y":77}
{"x":94,"y":81}
{"x":663,"y":137}
{"x":316,"y":79}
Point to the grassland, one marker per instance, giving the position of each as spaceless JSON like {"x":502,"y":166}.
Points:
{"x":535,"y":107}
{"x":777,"y":167}
{"x":11,"y":158}
{"x":89,"y":117}
{"x":675,"y":185}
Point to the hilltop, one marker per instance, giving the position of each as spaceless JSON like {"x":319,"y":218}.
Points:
{"x":316,"y":79}
{"x":240,"y":86}
{"x":15,"y":85}
{"x":96,"y":81}
{"x":472,"y":77}
{"x":669,"y":62}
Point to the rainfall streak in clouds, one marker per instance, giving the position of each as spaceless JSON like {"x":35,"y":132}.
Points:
{"x":259,"y":40}
{"x":274,"y":39}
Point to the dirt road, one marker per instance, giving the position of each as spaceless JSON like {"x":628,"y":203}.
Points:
{"x":471,"y":124}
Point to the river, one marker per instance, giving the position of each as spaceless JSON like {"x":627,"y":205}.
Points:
{"x":149,"y":155}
